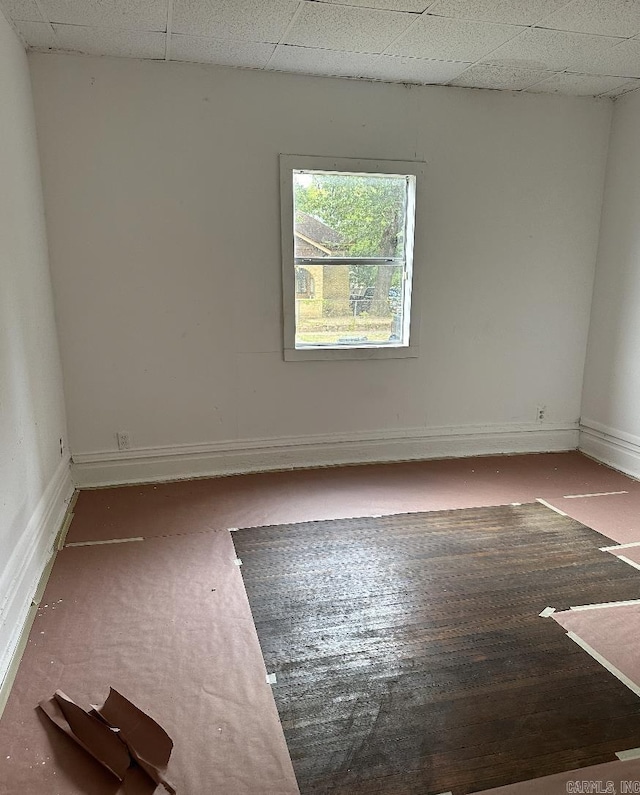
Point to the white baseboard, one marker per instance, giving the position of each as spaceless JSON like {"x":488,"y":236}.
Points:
{"x":20,"y":578}
{"x":618,"y":449}
{"x":155,"y":464}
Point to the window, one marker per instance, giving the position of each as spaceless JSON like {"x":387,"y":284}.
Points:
{"x":347,"y":244}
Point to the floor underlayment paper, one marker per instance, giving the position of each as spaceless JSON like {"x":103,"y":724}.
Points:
{"x":614,"y":515}
{"x":613,"y":632}
{"x":169,"y":615}
{"x":337,"y":493}
{"x":167,"y":623}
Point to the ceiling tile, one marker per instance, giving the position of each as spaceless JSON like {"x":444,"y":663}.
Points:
{"x":257,"y":20}
{"x":109,"y":41}
{"x":506,"y":78}
{"x":415,"y":6}
{"x":120,"y":14}
{"x":21,"y":10}
{"x":312,"y":61}
{"x":604,"y":17}
{"x":512,"y":12}
{"x":549,"y":49}
{"x":219,"y":51}
{"x":402,"y":69}
{"x":37,"y":35}
{"x":337,"y":27}
{"x":629,"y":85}
{"x":622,"y":60}
{"x":577,"y":85}
{"x":452,"y":39}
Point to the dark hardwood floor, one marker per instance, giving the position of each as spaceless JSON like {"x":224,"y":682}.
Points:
{"x":409,"y":653}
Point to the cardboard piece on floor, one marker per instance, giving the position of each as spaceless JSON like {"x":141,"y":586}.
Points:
{"x":613,"y":632}
{"x":168,"y":623}
{"x":616,"y":516}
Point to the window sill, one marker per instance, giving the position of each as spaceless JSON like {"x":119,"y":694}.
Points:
{"x":336,"y":354}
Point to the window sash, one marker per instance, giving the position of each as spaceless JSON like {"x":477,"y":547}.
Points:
{"x":389,"y":262}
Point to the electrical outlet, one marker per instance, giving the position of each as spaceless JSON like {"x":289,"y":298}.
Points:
{"x":124,"y":442}
{"x":540,"y":413}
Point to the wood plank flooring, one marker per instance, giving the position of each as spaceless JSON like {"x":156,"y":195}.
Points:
{"x":409,"y":653}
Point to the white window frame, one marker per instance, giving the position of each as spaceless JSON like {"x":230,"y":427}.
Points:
{"x":291,"y":163}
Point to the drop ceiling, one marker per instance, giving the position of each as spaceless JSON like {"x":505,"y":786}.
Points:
{"x":579,"y":47}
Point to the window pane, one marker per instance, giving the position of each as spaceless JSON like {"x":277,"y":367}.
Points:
{"x":350,"y":305}
{"x":349,"y":215}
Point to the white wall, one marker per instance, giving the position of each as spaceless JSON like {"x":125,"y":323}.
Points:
{"x":34,"y":477}
{"x":611,"y":400}
{"x":161,"y":187}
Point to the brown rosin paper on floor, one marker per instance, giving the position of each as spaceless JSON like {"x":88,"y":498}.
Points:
{"x":616,"y":516}
{"x":613,"y":632}
{"x":148,"y":743}
{"x":267,"y":498}
{"x":119,"y":736}
{"x":167,"y":623}
{"x":90,"y":733}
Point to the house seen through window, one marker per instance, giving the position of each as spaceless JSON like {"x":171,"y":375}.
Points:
{"x":352,"y":258}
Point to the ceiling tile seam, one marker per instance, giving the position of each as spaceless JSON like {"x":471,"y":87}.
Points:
{"x":464,"y":71}
{"x":568,"y":68}
{"x":570,"y":71}
{"x":539,"y":82}
{"x":310,"y":48}
{"x":235,"y":40}
{"x":167,"y":43}
{"x":625,"y":80}
{"x":285,"y":33}
{"x":362,"y":74}
{"x":586,"y":74}
{"x":403,"y":33}
{"x":430,"y":13}
{"x":548,"y":73}
{"x":513,"y":38}
{"x":432,"y":4}
{"x":432,"y":10}
{"x":45,"y":17}
{"x":355,"y":52}
{"x":556,"y":11}
{"x":547,"y":76}
{"x":55,"y":25}
{"x":547,"y":16}
{"x":230,"y":39}
{"x":481,"y":62}
{"x":486,"y":62}
{"x":582,"y":33}
{"x":624,"y":93}
{"x":369,"y":8}
{"x":579,"y":74}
